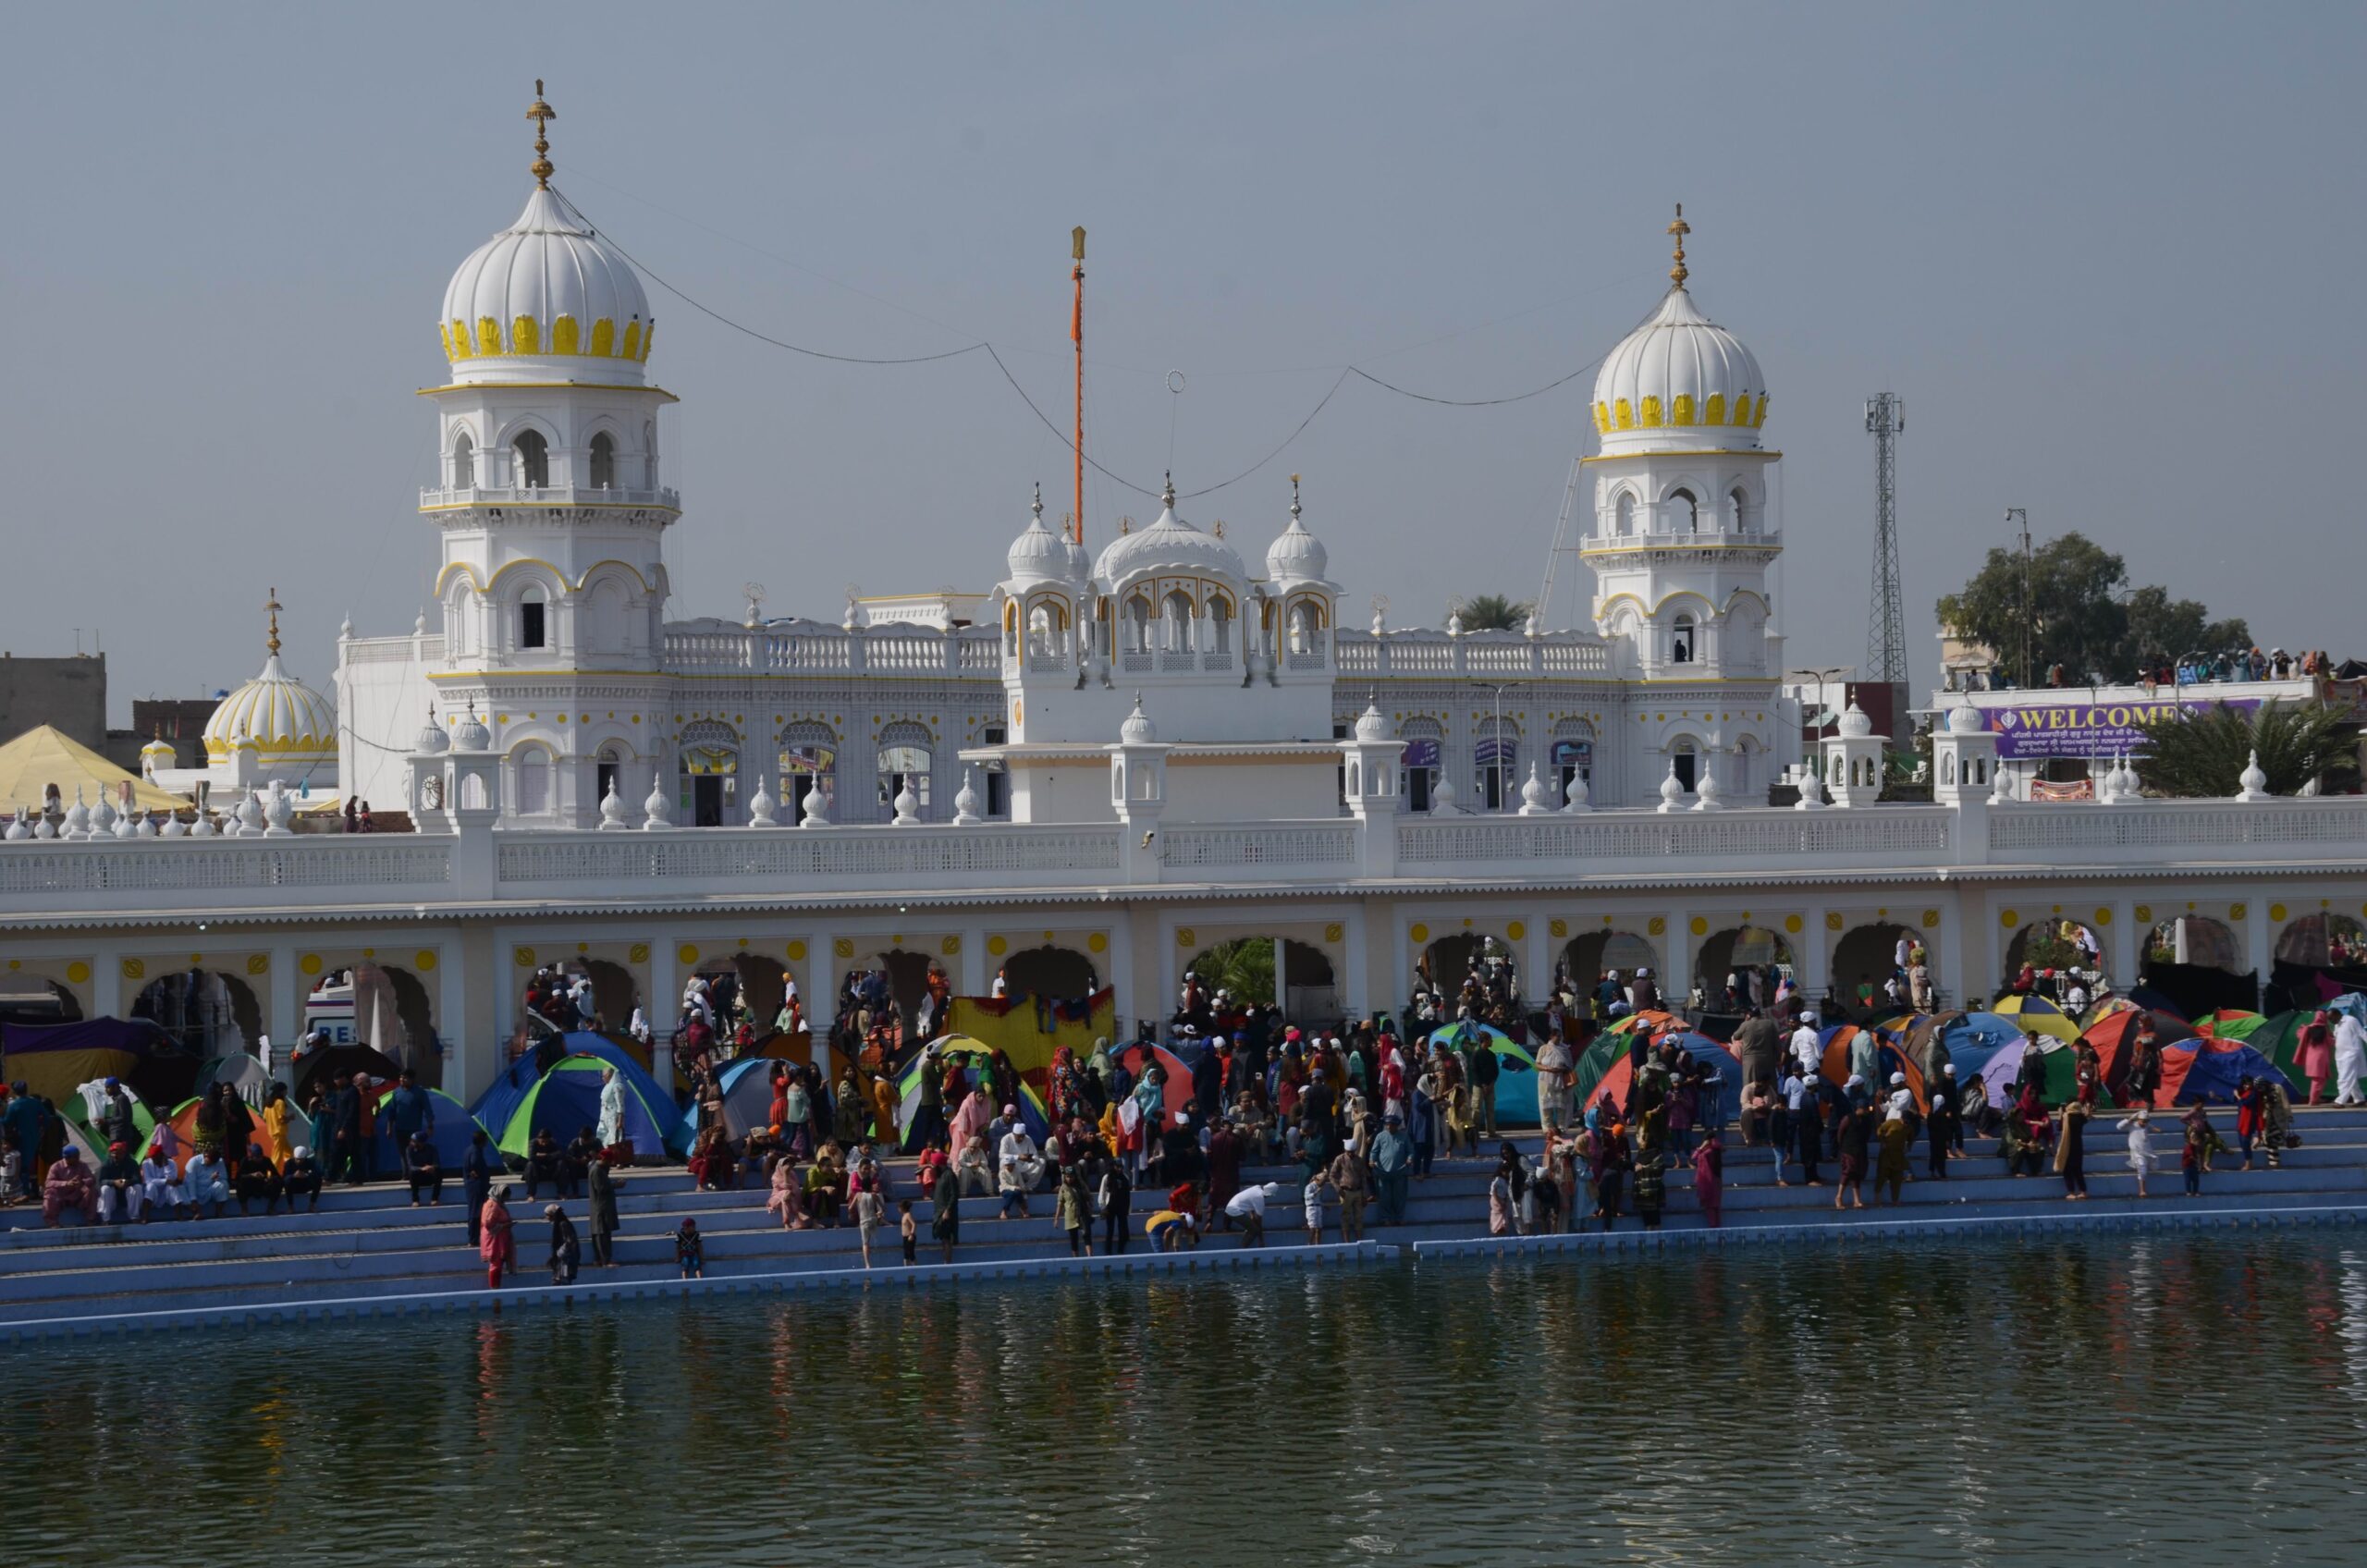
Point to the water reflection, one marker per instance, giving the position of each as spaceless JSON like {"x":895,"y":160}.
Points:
{"x":1937,"y":1402}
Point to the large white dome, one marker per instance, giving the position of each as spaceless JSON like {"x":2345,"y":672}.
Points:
{"x":1296,"y":556}
{"x":1170,"y":546}
{"x":289,"y":724}
{"x":547,"y":289}
{"x":1037,"y":555}
{"x":1679,"y":381}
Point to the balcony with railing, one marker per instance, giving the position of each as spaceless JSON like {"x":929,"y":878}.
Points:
{"x":816,"y":648}
{"x":1477,"y":654}
{"x":549,"y":496}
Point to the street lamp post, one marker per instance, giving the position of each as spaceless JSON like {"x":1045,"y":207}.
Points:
{"x":1497,"y":737}
{"x":1824,"y":708}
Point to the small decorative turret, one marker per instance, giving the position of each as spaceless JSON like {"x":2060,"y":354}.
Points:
{"x":965,"y":800}
{"x":1672,"y":793}
{"x":818,"y":815}
{"x":1442,"y":797}
{"x":1812,"y":787}
{"x":761,"y":806}
{"x":612,"y":810}
{"x":1532,"y":795}
{"x":1705,"y":798}
{"x":653,"y":818}
{"x":1574,"y":798}
{"x":2254,"y":782}
{"x":78,"y":817}
{"x":908,"y":805}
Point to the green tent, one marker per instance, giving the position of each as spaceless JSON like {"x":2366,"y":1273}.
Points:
{"x":567,"y":1099}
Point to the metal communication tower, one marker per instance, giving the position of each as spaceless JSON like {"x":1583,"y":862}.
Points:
{"x":1885,"y":622}
{"x":1563,"y":542}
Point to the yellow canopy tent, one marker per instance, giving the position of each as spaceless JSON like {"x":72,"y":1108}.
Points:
{"x":42,"y":756}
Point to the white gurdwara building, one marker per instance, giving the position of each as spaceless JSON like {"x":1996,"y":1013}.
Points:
{"x":1105,"y":766}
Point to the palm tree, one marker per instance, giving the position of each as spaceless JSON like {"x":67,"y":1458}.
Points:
{"x":1492,"y":612}
{"x":2204,"y":753}
{"x":1244,"y":967}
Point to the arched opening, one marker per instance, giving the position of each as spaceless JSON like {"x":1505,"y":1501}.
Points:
{"x":1266,"y":969}
{"x":758,"y":986}
{"x":1739,"y":511}
{"x":1495,"y":756}
{"x":1586,"y":960}
{"x":1867,"y":958}
{"x":1573,"y":757}
{"x":1050,"y":978}
{"x":1685,"y":761}
{"x":533,"y":455}
{"x":905,"y":751}
{"x":1418,"y":763}
{"x":550,"y":995}
{"x":1048,"y":629}
{"x":707,"y":774}
{"x":530,"y":782}
{"x":392,"y":1015}
{"x":2194,"y":939}
{"x":1683,"y":511}
{"x":465,"y":462}
{"x":1680,"y":640}
{"x":534,"y":617}
{"x":902,"y":983}
{"x":609,"y":778}
{"x":1625,"y":514}
{"x":604,"y":462}
{"x":2194,"y":963}
{"x":1138,"y":625}
{"x":809,"y":761}
{"x":1175,"y":622}
{"x":205,"y":1011}
{"x":2323,"y":941}
{"x":2055,"y":950}
{"x":36,"y":998}
{"x":1748,"y":781}
{"x":1306,"y":628}
{"x":1742,"y":966}
{"x":649,"y":454}
{"x":1475,"y":971}
{"x":1219,"y":624}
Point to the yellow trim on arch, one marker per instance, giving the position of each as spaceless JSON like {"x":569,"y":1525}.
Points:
{"x":1687,"y":452}
{"x":576,"y":586}
{"x":539,"y":386}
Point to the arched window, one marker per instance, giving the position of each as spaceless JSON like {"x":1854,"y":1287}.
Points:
{"x":1177,"y":621}
{"x":1685,"y":512}
{"x":905,"y":751}
{"x":533,"y":455}
{"x":1680,"y":647}
{"x":1495,"y":755}
{"x":707,"y":773}
{"x":1419,"y":762}
{"x":1684,"y":760}
{"x":1047,"y":628}
{"x":1739,"y":511}
{"x":809,"y":761}
{"x":1307,"y":628}
{"x":610,"y":776}
{"x":604,"y":462}
{"x":1627,"y":513}
{"x":1138,"y":625}
{"x":1221,"y":624}
{"x":533,"y":618}
{"x":530,"y":781}
{"x":649,"y":454}
{"x":1572,"y":756}
{"x":465,"y":462}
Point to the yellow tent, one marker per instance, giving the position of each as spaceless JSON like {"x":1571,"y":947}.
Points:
{"x":42,"y":756}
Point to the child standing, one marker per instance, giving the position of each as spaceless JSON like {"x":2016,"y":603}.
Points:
{"x":1313,"y":1200}
{"x":870,"y":1213}
{"x":690,"y":1250}
{"x":911,"y":1231}
{"x":2202,"y":1142}
{"x":2138,"y":1126}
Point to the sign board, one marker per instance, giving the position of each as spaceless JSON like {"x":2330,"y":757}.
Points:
{"x":1489,"y":754}
{"x":2085,"y":728}
{"x":1574,"y":753}
{"x":1421,"y":753}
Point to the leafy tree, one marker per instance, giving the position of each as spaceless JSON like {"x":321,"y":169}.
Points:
{"x":1243,"y":967}
{"x":2081,"y":615}
{"x":1493,"y":612}
{"x":2204,"y":753}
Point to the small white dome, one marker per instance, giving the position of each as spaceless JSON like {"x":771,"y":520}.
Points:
{"x":1138,"y":730}
{"x":1963,"y":720}
{"x":1169,"y":545}
{"x":1297,"y":555}
{"x":433,"y":742}
{"x":1037,"y":555}
{"x":1854,"y":724}
{"x":1370,"y":724}
{"x":547,"y":289}
{"x":471,"y":734}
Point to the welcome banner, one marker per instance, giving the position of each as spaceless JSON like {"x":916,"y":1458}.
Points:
{"x":2086,"y":727}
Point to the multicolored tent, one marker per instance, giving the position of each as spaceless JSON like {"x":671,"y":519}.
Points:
{"x":1516,"y":1103}
{"x":2230,"y":1023}
{"x":567,"y":1099}
{"x":49,"y":1059}
{"x":2114,"y":1038}
{"x":1009,"y":1024}
{"x":747,"y":1088}
{"x":2207,"y":1069}
{"x":1176,"y":1092}
{"x":971,"y":1055}
{"x":1617,"y":1080}
{"x":2036,"y":1015}
{"x":1890,"y":1057}
{"x":502,"y":1098}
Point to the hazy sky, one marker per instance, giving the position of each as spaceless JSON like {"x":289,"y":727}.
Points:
{"x":2106,"y":254}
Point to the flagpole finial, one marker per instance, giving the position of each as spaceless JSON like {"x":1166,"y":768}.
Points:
{"x":1679,"y":230}
{"x":542,"y":114}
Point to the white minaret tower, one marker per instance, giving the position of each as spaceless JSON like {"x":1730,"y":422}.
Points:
{"x":551,"y":510}
{"x":1682,"y":542}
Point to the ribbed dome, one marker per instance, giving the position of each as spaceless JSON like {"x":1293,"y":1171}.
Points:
{"x":433,"y":740}
{"x":1038,"y":555}
{"x":1854,"y":724}
{"x":287,"y":722}
{"x":1138,"y":730}
{"x":1297,"y":555}
{"x":1170,"y":545}
{"x":473,"y":735}
{"x":544,"y":288}
{"x":1679,"y":381}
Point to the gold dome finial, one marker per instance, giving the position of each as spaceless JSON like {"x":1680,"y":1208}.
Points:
{"x":1680,"y":228}
{"x":542,"y":114}
{"x":271,"y":607}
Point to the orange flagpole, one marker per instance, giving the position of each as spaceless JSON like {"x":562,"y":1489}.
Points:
{"x":1077,"y":336}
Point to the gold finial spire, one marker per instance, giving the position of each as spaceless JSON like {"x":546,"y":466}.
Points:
{"x":1680,"y":228}
{"x":271,"y":607}
{"x":542,"y":114}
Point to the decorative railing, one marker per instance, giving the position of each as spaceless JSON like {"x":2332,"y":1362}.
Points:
{"x":368,"y":865}
{"x":2178,"y":829}
{"x":818,"y":854}
{"x":1909,"y":835}
{"x":1480,"y":656}
{"x":816,"y":652}
{"x":1260,"y":845}
{"x":551,"y":496}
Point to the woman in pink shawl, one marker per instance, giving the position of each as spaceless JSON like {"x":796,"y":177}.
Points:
{"x":786,"y":1199}
{"x":1709,"y":1178}
{"x":498,"y":1249}
{"x":975,"y":1115}
{"x":2313,"y":1053}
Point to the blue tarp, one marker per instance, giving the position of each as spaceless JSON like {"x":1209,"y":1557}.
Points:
{"x":137,"y":1035}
